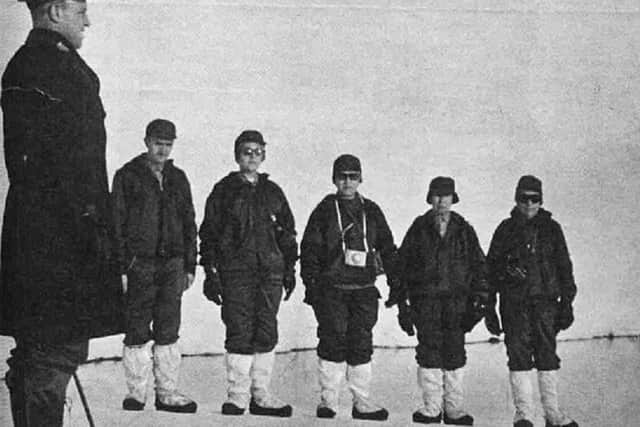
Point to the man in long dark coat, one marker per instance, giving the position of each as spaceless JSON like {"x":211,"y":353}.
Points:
{"x":54,"y":294}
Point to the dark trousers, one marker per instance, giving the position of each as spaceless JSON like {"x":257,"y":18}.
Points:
{"x":530,"y":334}
{"x":37,"y":380}
{"x":440,"y":334}
{"x":250,"y":304}
{"x":345,"y":322}
{"x":154,"y":294}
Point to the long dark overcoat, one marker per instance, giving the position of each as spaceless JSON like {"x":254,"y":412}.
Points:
{"x":56,"y":283}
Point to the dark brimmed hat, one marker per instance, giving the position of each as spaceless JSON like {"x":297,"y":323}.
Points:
{"x":344,"y":163}
{"x":443,"y":186}
{"x":161,"y":128}
{"x":529,"y":183}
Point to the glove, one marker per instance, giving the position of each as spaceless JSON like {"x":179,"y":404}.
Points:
{"x":289,"y":284}
{"x":212,"y":287}
{"x":397,"y":292}
{"x":564,"y":318}
{"x":492,"y":322}
{"x":474,"y":312}
{"x":310,"y":292}
{"x":404,"y":318}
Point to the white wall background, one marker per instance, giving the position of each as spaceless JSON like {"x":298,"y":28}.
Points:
{"x":481,"y":90}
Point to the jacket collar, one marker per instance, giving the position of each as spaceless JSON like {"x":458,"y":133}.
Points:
{"x":45,"y":37}
{"x":541,"y":216}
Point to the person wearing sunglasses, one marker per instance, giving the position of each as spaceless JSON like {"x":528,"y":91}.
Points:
{"x":248,"y":250}
{"x":443,"y":266}
{"x":530,"y":267}
{"x":345,"y":245}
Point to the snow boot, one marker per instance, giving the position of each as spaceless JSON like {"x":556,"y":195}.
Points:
{"x":430,"y":381}
{"x":136,"y":360}
{"x":166,"y":369}
{"x":522,"y":392}
{"x":330,"y":376}
{"x":454,"y":413}
{"x":548,"y":383}
{"x":359,"y":379}
{"x":238,"y":383}
{"x":262,"y":401}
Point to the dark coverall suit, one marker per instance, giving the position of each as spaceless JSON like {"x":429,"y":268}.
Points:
{"x":441,"y":273}
{"x":529,"y":303}
{"x":248,"y":235}
{"x":346,"y":302}
{"x":57,"y":290}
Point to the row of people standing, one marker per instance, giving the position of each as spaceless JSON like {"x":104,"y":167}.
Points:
{"x":439,"y":279}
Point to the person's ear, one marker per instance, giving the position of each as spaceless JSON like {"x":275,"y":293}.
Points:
{"x":55,"y":10}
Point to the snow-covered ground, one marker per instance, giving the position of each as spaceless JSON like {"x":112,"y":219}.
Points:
{"x":599,"y":388}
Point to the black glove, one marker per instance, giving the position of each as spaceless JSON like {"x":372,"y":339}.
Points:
{"x":289,"y":284}
{"x":564,"y":319}
{"x":310,"y":292}
{"x":492,"y":322}
{"x":405,"y":319}
{"x":474,"y":312}
{"x":397,"y":292}
{"x":212,"y":287}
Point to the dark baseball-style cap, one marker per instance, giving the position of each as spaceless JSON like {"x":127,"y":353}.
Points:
{"x":161,"y":128}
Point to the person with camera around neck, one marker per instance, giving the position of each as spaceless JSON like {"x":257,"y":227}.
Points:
{"x":346,"y":244}
{"x":530,"y":267}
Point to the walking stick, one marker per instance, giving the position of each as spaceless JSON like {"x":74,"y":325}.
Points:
{"x":83,"y":399}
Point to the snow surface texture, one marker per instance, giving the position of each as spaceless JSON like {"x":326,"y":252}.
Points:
{"x":481,"y":90}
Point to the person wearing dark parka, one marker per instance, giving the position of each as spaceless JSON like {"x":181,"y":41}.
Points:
{"x":530,"y":268}
{"x":248,"y":250}
{"x":346,"y":244}
{"x":443,"y":269}
{"x":155,"y":249}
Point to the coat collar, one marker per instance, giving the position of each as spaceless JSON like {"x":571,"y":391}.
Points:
{"x":45,"y":37}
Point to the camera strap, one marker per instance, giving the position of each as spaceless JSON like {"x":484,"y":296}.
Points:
{"x":343,"y":231}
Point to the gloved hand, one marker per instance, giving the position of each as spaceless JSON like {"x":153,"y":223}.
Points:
{"x":310,"y":292}
{"x":289,"y":284}
{"x":564,"y":319}
{"x":404,"y":318}
{"x":397,"y":292}
{"x":492,"y":322}
{"x":475,"y":309}
{"x":212,"y":287}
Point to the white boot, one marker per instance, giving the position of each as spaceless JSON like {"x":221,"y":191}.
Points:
{"x":238,"y":382}
{"x":430,"y":381}
{"x":263,"y":402}
{"x":359,"y":379}
{"x":522,"y":391}
{"x":454,"y":398}
{"x":548,"y":383}
{"x":166,"y":369}
{"x":136,"y":360}
{"x":330,"y":376}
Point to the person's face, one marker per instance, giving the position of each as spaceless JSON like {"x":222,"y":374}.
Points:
{"x":441,"y":203}
{"x":250,"y":156}
{"x":72,"y":18}
{"x":347,"y":183}
{"x":529,"y":203}
{"x":158,"y":149}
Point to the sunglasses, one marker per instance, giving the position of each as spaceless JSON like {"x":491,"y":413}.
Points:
{"x":524,"y":198}
{"x":353,"y":176}
{"x":251,"y":151}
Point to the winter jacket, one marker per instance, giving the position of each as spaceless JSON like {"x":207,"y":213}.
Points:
{"x":538,"y":249}
{"x":248,"y":228}
{"x":434,"y":266}
{"x":322,"y":258}
{"x":56,"y":284}
{"x":150,"y":220}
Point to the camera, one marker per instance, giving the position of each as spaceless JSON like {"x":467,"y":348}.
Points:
{"x":355,"y":258}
